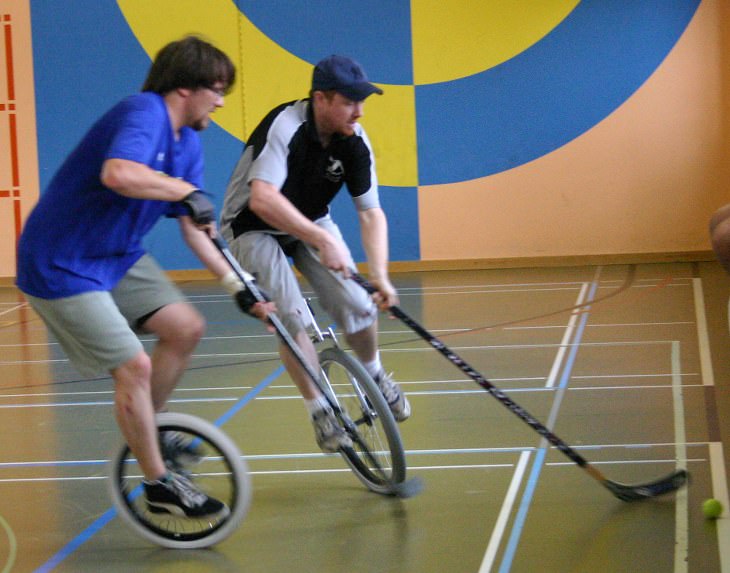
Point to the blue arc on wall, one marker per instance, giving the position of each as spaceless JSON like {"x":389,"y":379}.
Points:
{"x":467,"y":128}
{"x":513,"y":113}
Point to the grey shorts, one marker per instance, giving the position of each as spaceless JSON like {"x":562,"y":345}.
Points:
{"x":262,"y":255}
{"x":97,"y":329}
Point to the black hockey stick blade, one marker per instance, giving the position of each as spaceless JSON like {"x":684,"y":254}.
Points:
{"x":638,"y":492}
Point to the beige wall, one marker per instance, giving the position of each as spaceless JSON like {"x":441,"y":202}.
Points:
{"x":18,"y":158}
{"x":645,"y":180}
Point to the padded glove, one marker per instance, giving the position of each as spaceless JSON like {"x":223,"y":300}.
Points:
{"x":199,"y":207}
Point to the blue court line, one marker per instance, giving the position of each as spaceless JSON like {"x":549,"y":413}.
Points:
{"x":518,"y":526}
{"x":111,"y":513}
{"x":78,"y":541}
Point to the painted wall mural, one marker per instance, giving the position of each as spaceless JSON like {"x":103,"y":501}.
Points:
{"x":474,"y":91}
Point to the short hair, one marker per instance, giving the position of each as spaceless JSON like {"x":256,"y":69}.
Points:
{"x":189,"y":63}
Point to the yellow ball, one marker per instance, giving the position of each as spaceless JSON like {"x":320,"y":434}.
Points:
{"x":712,"y":508}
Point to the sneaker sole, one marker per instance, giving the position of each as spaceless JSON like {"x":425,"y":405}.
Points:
{"x":333,"y":450}
{"x":172,"y":509}
{"x":405,"y":414}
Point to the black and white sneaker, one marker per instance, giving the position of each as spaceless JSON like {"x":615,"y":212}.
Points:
{"x":177,"y":495}
{"x":399,"y":404}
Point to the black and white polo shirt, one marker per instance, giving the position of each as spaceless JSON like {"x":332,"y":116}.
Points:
{"x":284,"y":150}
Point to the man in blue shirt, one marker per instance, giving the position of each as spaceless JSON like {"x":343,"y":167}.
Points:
{"x":82,"y":266}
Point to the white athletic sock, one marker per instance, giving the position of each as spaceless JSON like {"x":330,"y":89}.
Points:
{"x":374,"y":367}
{"x":315,"y":405}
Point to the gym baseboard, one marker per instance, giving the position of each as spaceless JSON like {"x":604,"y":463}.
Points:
{"x":498,"y":263}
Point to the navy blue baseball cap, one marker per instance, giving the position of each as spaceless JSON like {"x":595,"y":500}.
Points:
{"x":343,"y":75}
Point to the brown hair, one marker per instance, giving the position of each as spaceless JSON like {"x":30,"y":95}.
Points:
{"x":189,"y":63}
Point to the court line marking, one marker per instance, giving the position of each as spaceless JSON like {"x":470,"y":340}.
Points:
{"x":274,"y":355}
{"x":96,"y":526}
{"x":717,"y":457}
{"x":565,"y":343}
{"x":446,"y":392}
{"x":708,"y":375}
{"x":681,"y":507}
{"x":720,"y":492}
{"x":13,"y":309}
{"x":384,"y":333}
{"x":527,"y":495}
{"x":344,"y":469}
{"x":409,"y":453}
{"x":12,"y":545}
{"x":505,"y":511}
{"x":407,"y":383}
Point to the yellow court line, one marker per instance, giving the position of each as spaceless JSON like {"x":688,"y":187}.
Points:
{"x":12,"y":545}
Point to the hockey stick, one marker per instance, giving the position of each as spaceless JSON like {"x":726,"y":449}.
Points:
{"x":624,"y":492}
{"x":403,"y":489}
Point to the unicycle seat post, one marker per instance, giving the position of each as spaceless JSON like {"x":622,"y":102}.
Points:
{"x":319,"y":335}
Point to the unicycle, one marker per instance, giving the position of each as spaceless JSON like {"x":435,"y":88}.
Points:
{"x":220,"y":472}
{"x":376,"y":456}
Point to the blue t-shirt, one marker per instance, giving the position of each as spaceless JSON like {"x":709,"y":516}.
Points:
{"x":82,"y":236}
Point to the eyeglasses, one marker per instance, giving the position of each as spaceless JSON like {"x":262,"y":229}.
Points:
{"x":220,"y":92}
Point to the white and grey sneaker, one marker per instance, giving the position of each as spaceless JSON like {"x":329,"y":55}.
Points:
{"x":179,"y":451}
{"x":330,"y":435}
{"x":399,"y":404}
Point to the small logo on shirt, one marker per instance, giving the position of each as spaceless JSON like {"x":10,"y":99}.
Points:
{"x":160,"y":157}
{"x":335,"y":170}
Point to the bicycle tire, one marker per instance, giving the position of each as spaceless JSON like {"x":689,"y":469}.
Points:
{"x":222,"y":473}
{"x":377,"y":457}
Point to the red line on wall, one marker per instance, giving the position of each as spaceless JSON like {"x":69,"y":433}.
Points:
{"x":14,"y":149}
{"x":13,"y":127}
{"x":18,"y":220}
{"x":9,"y":58}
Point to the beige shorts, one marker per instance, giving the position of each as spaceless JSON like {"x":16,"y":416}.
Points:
{"x":263,"y":255}
{"x":97,"y":329}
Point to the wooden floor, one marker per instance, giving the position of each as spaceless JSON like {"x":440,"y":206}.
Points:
{"x":628,"y":364}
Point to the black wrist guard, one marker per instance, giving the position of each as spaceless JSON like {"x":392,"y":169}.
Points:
{"x":199,"y":207}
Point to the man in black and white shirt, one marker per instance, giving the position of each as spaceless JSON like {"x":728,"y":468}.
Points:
{"x":277,"y":206}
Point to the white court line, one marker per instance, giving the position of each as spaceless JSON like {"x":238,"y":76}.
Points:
{"x":565,"y":343}
{"x":681,"y":528}
{"x":274,"y":355}
{"x":493,"y":287}
{"x":13,"y":309}
{"x":497,"y":533}
{"x":412,"y":383}
{"x":500,"y":527}
{"x":343,"y":469}
{"x":708,"y":375}
{"x":409,"y":453}
{"x":445,"y":392}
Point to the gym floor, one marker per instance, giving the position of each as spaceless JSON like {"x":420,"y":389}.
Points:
{"x":629,"y":364}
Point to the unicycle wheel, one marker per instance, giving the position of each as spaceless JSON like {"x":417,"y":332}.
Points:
{"x":219,"y":471}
